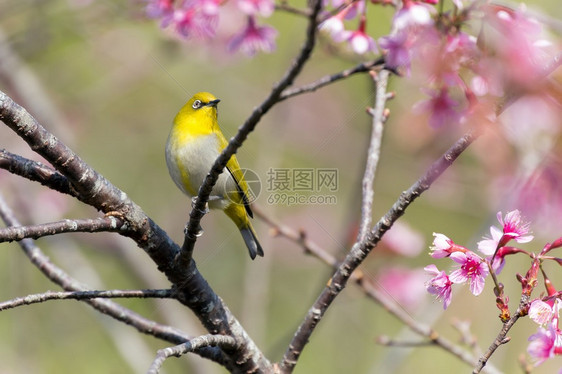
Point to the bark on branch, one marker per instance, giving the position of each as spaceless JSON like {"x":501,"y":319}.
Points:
{"x":93,"y":189}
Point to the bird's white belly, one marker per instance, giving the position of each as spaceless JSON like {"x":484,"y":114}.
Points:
{"x":189,"y":164}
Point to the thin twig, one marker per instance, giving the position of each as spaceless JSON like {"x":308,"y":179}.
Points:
{"x":434,"y":337}
{"x":284,"y":6}
{"x":378,"y":296}
{"x":84,"y":295}
{"x":61,"y":278}
{"x":361,"y":249}
{"x":502,"y":337}
{"x":388,"y":342}
{"x":373,"y":153}
{"x":235,"y":143}
{"x":101,"y":224}
{"x":204,"y":341}
{"x":298,"y":237}
{"x":95,"y":190}
{"x":328,"y":79}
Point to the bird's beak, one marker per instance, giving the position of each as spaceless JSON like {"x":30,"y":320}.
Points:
{"x":213,"y":103}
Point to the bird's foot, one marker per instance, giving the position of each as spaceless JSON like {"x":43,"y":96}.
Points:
{"x":199,"y":231}
{"x":194,"y":202}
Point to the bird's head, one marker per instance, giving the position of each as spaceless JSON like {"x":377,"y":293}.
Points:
{"x":199,"y":113}
{"x":202,"y":102}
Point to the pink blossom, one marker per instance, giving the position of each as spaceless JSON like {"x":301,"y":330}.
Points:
{"x":439,"y":285}
{"x":460,"y":50}
{"x":532,"y":124}
{"x":398,"y":49}
{"x":335,"y":3}
{"x":159,"y":8}
{"x":256,"y":7}
{"x":359,"y":41}
{"x":458,"y":3}
{"x":545,"y":344}
{"x":486,"y":80}
{"x":403,"y":240}
{"x":499,"y":258}
{"x":350,"y":10}
{"x":443,"y":56}
{"x":210,"y":7}
{"x":188,"y":21}
{"x":514,"y":227}
{"x":489,"y":245}
{"x":405,"y":286}
{"x":443,"y":110}
{"x":412,"y":15}
{"x":540,"y":196}
{"x":517,"y":45}
{"x":441,"y":247}
{"x":472,"y":268}
{"x":253,"y":38}
{"x":334,"y":26}
{"x":541,"y":312}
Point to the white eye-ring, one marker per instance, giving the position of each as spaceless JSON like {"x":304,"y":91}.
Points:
{"x":196,"y":104}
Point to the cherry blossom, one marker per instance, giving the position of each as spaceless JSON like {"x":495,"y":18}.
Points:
{"x":439,"y":285}
{"x":256,"y":7}
{"x":545,"y":344}
{"x":442,"y":108}
{"x":253,"y":38}
{"x":412,"y":15}
{"x":358,"y":40}
{"x":442,"y":246}
{"x":472,"y":269}
{"x":398,"y":49}
{"x":405,"y":285}
{"x":513,"y":228}
{"x":541,"y":312}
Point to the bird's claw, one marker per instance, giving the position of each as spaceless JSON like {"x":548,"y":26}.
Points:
{"x":194,"y":203}
{"x":199,"y":231}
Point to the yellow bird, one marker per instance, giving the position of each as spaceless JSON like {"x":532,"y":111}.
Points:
{"x":194,"y":144}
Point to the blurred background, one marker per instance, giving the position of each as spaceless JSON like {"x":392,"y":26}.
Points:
{"x":108,"y":81}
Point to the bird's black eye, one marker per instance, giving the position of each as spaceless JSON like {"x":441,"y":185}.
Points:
{"x":196,"y":104}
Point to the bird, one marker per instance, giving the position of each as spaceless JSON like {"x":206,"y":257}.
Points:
{"x":194,"y":143}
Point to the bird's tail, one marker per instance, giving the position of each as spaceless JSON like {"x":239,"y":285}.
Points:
{"x":237,"y":213}
{"x":251,"y":240}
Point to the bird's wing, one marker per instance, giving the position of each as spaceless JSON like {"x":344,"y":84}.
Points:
{"x":234,"y":170}
{"x":241,"y":186}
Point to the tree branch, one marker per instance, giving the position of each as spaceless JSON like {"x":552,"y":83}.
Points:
{"x":298,"y":237}
{"x":502,"y":337}
{"x":37,"y":172}
{"x":224,"y":342}
{"x":235,"y":143}
{"x":284,"y":6}
{"x":191,"y":288}
{"x":373,"y":154}
{"x":361,"y":249}
{"x":310,"y":247}
{"x":328,"y":79}
{"x":112,"y":309}
{"x":108,"y":223}
{"x":84,"y":295}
